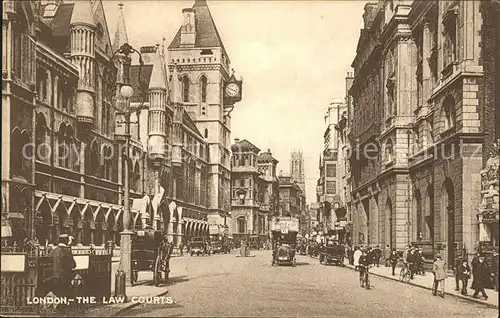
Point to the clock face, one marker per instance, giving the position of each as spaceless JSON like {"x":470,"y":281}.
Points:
{"x":232,"y":90}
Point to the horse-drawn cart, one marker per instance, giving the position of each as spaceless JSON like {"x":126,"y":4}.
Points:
{"x":151,"y":252}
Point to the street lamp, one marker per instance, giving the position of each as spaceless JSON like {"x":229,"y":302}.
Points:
{"x":126,"y":92}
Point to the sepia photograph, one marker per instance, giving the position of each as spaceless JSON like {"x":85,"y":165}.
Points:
{"x":250,"y":158}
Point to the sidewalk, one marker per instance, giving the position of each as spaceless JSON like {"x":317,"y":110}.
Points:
{"x":144,"y":288}
{"x":427,"y":282}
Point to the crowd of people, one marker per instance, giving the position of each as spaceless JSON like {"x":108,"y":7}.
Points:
{"x":412,"y":258}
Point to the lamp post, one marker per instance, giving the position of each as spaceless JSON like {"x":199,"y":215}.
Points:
{"x":126,"y":92}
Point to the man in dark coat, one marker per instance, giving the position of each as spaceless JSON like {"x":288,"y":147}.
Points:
{"x":378,"y":255}
{"x":63,"y":264}
{"x":457,"y":272}
{"x":393,"y":259}
{"x":481,"y":277}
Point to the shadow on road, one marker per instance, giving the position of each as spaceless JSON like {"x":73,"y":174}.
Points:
{"x":177,"y":279}
{"x":302,"y":263}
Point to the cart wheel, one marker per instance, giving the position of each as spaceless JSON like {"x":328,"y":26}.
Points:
{"x":157,"y":271}
{"x":192,"y":253}
{"x":135,"y":275}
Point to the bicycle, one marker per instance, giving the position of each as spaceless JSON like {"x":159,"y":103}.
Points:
{"x":364,"y":279}
{"x":405,"y":274}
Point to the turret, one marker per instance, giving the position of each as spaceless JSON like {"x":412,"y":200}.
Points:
{"x":157,"y":104}
{"x":82,"y":30}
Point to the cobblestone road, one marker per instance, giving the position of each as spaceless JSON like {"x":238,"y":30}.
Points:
{"x":226,"y":285}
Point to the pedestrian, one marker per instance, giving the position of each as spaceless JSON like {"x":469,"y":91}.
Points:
{"x":378,"y":255}
{"x":457,"y":273}
{"x":411,"y":260}
{"x":393,"y":260}
{"x":464,"y":275}
{"x":481,"y":277}
{"x":494,"y":269}
{"x":421,"y":262}
{"x":387,"y":255}
{"x":357,"y":255}
{"x":439,"y":271}
{"x":63,"y":264}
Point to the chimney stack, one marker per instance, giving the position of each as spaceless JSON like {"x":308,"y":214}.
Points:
{"x":149,"y":53}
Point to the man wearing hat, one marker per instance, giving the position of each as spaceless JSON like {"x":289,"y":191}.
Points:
{"x":63,"y":263}
{"x":439,"y":271}
{"x":481,"y":276}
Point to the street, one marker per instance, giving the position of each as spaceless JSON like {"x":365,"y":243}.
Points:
{"x":226,"y":285}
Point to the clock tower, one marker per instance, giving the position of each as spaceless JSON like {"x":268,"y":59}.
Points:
{"x":206,"y":87}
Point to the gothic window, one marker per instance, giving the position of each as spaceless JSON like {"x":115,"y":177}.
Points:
{"x":62,"y":149}
{"x":107,"y":163}
{"x":204,"y":83}
{"x":42,"y":147}
{"x":94,"y":158}
{"x":137,"y":177}
{"x":448,"y":112}
{"x":68,"y":142}
{"x":20,"y":154}
{"x":185,"y":89}
{"x":104,"y":119}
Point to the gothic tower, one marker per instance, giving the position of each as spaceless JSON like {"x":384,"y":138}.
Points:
{"x":297,"y":169}
{"x":200,"y":67}
{"x":82,"y":30}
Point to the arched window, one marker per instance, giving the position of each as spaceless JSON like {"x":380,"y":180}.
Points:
{"x":185,"y":89}
{"x":203,"y":83}
{"x":94,"y":158}
{"x":389,"y":151}
{"x":20,"y":155}
{"x":448,"y":112}
{"x":69,"y":151}
{"x":62,"y":149}
{"x":41,"y":149}
{"x":137,"y":177}
{"x":107,"y":163}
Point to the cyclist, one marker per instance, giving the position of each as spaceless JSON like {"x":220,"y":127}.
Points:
{"x":364,"y":264}
{"x":411,"y":261}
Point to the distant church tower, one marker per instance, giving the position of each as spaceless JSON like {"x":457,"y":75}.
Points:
{"x":201,"y":68}
{"x":297,"y":169}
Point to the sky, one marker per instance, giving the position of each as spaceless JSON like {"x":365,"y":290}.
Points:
{"x":293,"y":57}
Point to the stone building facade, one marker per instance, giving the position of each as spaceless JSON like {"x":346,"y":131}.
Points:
{"x":202,"y":66}
{"x":61,"y":99}
{"x":291,"y":198}
{"x":253,"y":186}
{"x":424,"y":88}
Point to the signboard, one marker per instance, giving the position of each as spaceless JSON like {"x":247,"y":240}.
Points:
{"x":13,"y":263}
{"x":285,"y":224}
{"x":82,"y":262}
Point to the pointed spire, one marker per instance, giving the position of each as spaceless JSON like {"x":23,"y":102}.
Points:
{"x":82,"y":13}
{"x":121,"y":31}
{"x":157,"y":75}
